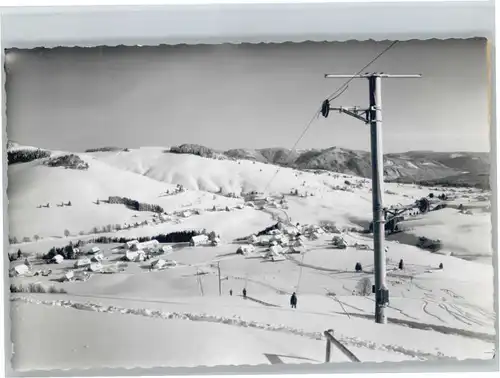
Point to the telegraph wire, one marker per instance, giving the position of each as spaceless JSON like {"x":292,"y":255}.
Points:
{"x":332,"y":97}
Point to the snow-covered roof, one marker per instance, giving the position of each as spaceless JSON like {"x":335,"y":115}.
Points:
{"x":199,"y":238}
{"x":94,"y":250}
{"x":160,"y":263}
{"x":95,"y":267}
{"x":21,"y":269}
{"x":246,"y":248}
{"x":57,"y":258}
{"x":82,"y":262}
{"x":276,"y":249}
{"x":132,"y":242}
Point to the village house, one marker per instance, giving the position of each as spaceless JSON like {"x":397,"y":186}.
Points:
{"x":158,"y":264}
{"x":98,"y":257}
{"x":20,"y":270}
{"x":186,"y":214}
{"x":57,"y":259}
{"x":284,"y":241}
{"x":167,"y":248}
{"x":253,"y":239}
{"x":95,"y":267}
{"x":339,"y":242}
{"x":276,"y":249}
{"x":93,"y":250}
{"x":129,"y":244}
{"x":275,"y":254}
{"x":245,"y":249}
{"x":147,"y":245}
{"x":198,"y":240}
{"x":264,"y":240}
{"x":82,"y":263}
{"x":135,"y":256}
{"x":289,"y":230}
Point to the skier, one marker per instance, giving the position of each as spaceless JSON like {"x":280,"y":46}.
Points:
{"x":245,"y":293}
{"x":231,"y":292}
{"x":293,"y":301}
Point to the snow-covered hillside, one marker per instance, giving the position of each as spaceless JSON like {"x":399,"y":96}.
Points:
{"x":434,"y":312}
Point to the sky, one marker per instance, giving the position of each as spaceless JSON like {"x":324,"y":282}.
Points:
{"x":247,"y":96}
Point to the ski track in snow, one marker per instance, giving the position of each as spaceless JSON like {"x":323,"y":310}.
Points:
{"x":348,"y":305}
{"x":452,"y":294}
{"x":236,"y":321}
{"x":264,"y":284}
{"x":424,"y":309}
{"x":396,"y":309}
{"x":314,"y":267}
{"x":432,"y":327}
{"x":418,"y":286}
{"x":457,"y":316}
{"x":267,"y":304}
{"x":480,"y":310}
{"x":467,"y":315}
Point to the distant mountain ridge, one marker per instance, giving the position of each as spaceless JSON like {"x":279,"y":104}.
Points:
{"x":420,"y":167}
{"x":424,"y":167}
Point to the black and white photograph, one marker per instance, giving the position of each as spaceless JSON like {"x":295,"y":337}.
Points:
{"x":249,"y":204}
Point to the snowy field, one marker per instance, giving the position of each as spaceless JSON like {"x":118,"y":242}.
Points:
{"x":142,"y":317}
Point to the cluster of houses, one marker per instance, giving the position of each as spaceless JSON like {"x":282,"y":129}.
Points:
{"x":138,"y":252}
{"x":23,"y":270}
{"x":135,"y":251}
{"x":280,"y":240}
{"x":260,"y":202}
{"x":157,"y":218}
{"x":178,"y":189}
{"x":287,"y":239}
{"x":92,"y":261}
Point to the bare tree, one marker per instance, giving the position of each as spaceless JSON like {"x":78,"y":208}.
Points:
{"x":364,"y":286}
{"x":36,"y":237}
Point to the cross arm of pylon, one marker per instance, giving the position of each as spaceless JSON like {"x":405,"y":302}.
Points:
{"x":356,"y":112}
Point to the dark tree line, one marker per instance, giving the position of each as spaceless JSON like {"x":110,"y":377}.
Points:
{"x":105,"y":149}
{"x":70,"y":161}
{"x":135,"y":205}
{"x":193,"y":149}
{"x":69,"y":253}
{"x":173,"y":237}
{"x":25,"y":156}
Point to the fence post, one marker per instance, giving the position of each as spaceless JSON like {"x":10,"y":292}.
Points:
{"x":330,"y":339}
{"x":328,"y":345}
{"x":328,"y":350}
